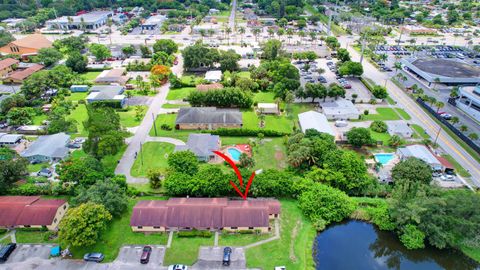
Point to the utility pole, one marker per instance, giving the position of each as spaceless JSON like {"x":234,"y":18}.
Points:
{"x":363,"y":47}
{"x":154,"y":125}
{"x":141,"y":154}
{"x":438,"y":134}
{"x":400,"y":38}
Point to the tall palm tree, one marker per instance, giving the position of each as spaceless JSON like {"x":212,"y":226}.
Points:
{"x":256,"y":32}
{"x":241,"y":30}
{"x":313,"y":36}
{"x":271,"y":32}
{"x":436,"y":81}
{"x":302,"y":36}
{"x":439,"y":105}
{"x":289,"y":35}
{"x":228,"y":31}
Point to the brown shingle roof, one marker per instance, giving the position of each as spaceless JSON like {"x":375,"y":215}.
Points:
{"x":5,"y":63}
{"x":35,"y":41}
{"x":204,"y":213}
{"x":24,"y":73}
{"x":27,"y":210}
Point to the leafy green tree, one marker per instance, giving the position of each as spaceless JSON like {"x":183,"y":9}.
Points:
{"x":129,"y":50}
{"x":183,"y":162}
{"x":379,"y":126}
{"x":359,"y":137}
{"x":332,"y":42}
{"x":226,"y":97}
{"x":325,"y":203}
{"x":228,"y":60}
{"x":104,"y":192}
{"x":70,"y":44}
{"x":48,"y":56}
{"x":12,"y":101}
{"x":412,"y":237}
{"x":83,"y":171}
{"x":315,"y":91}
{"x":165,"y":45}
{"x":335,"y":91}
{"x":162,"y":58}
{"x":20,"y":116}
{"x":145,"y":51}
{"x":13,"y":167}
{"x":77,"y":62}
{"x":409,"y":175}
{"x":272,"y":49}
{"x":154,"y":178}
{"x":83,"y":225}
{"x":100,"y":51}
{"x":343,"y":55}
{"x":176,"y":184}
{"x":395,"y":141}
{"x":198,"y":55}
{"x":350,"y":68}
{"x":5,"y":38}
{"x":246,"y":161}
{"x":379,"y":92}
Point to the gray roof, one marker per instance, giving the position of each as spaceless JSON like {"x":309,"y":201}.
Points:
{"x":9,"y":138}
{"x":53,"y":146}
{"x":315,"y":120}
{"x":398,"y":127}
{"x":420,"y":152}
{"x":339,"y":107}
{"x":208,"y":115}
{"x":105,"y":92}
{"x":201,"y":144}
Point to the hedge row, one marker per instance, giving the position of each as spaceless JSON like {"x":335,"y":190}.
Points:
{"x":195,"y":233}
{"x":237,"y":132}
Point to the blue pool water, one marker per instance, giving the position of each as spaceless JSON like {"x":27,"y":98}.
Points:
{"x":384,"y":158}
{"x":234,"y":153}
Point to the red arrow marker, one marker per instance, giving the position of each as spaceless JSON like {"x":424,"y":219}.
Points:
{"x":239,"y":176}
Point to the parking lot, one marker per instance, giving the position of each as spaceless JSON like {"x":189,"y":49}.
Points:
{"x":211,"y":258}
{"x":25,"y":252}
{"x":131,"y":255}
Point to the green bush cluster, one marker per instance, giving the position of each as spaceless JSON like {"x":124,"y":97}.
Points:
{"x":195,"y":233}
{"x":239,"y":132}
{"x":224,"y":98}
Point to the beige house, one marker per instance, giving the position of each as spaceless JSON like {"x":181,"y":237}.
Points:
{"x":268,"y":108}
{"x":7,"y":66}
{"x":31,"y":212}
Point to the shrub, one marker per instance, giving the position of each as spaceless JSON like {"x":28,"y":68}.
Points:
{"x":165,"y":127}
{"x":195,"y":233}
{"x":225,"y":98}
{"x":49,"y":235}
{"x":246,"y":231}
{"x":246,"y":132}
{"x":82,"y":101}
{"x":412,"y":237}
{"x":366,"y":112}
{"x":319,"y":224}
{"x":379,"y":126}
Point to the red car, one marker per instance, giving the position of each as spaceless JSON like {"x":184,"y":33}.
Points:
{"x":147,"y":250}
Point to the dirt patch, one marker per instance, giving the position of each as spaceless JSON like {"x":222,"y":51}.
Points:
{"x":279,"y":155}
{"x":293,"y":258}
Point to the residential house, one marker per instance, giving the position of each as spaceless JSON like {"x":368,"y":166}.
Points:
{"x":340,"y":109}
{"x":10,"y":140}
{"x":111,"y":93}
{"x":7,"y":65}
{"x":204,"y":214}
{"x":88,"y":21}
{"x":399,"y":128}
{"x":213,"y":76}
{"x":79,"y":88}
{"x":22,"y":72}
{"x":14,"y":23}
{"x":175,"y":27}
{"x":208,"y":118}
{"x":31,"y":212}
{"x":112,"y":76}
{"x":268,"y":108}
{"x":202,"y":145}
{"x":48,"y":148}
{"x":315,"y":120}
{"x":26,"y":46}
{"x":420,"y":152}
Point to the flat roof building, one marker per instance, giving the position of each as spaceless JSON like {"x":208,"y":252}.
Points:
{"x":91,"y":20}
{"x":112,"y":93}
{"x":153,"y":22}
{"x":10,"y":140}
{"x":340,"y":109}
{"x":315,"y":120}
{"x":268,"y":108}
{"x":213,"y":76}
{"x":469,"y":101}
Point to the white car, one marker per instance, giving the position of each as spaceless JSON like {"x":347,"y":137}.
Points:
{"x":177,"y":267}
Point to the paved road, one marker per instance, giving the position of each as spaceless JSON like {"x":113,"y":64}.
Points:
{"x":419,"y":116}
{"x":231,"y":19}
{"x":143,"y":130}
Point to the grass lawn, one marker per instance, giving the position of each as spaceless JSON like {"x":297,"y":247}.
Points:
{"x":385,"y":114}
{"x":384,"y":137}
{"x":270,"y":155}
{"x":420,"y":131}
{"x":91,"y":75}
{"x":80,"y":115}
{"x":32,"y":237}
{"x":293,"y":249}
{"x":272,"y":122}
{"x":36,"y":167}
{"x":234,"y":140}
{"x":458,"y":168}
{"x":244,"y":74}
{"x":473,"y":253}
{"x":179,"y":94}
{"x":267,"y":97}
{"x":76,"y":96}
{"x":119,"y":233}
{"x":174,"y":106}
{"x":235,"y":240}
{"x":185,"y":250}
{"x":145,"y":188}
{"x":403,"y":113}
{"x":127,"y":119}
{"x":169,"y":119}
{"x":191,"y":79}
{"x":155,"y":156}
{"x":110,"y":162}
{"x":38,"y":119}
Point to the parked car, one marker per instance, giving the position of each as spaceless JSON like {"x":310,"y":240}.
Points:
{"x":226,"y":256}
{"x":147,"y":250}
{"x":177,"y":267}
{"x":45,"y":172}
{"x":446,"y":116}
{"x":93,"y":257}
{"x":6,"y":250}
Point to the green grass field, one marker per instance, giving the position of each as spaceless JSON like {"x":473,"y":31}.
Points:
{"x":293,"y":249}
{"x":272,"y":122}
{"x":174,"y":106}
{"x":127,"y":119}
{"x":38,"y":119}
{"x":267,"y":97}
{"x":80,"y":115}
{"x":420,"y":130}
{"x":179,"y":94}
{"x":154,"y":155}
{"x":191,"y":79}
{"x":185,"y":250}
{"x":91,"y":75}
{"x":271,"y":154}
{"x":384,"y":137}
{"x":244,"y":74}
{"x":385,"y":114}
{"x":235,"y":240}
{"x":76,"y":96}
{"x":33,"y":237}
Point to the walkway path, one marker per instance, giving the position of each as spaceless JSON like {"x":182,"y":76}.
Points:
{"x":276,"y":237}
{"x":142,"y":132}
{"x":11,"y":234}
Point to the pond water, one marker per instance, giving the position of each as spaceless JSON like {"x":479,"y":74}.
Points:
{"x":361,"y":246}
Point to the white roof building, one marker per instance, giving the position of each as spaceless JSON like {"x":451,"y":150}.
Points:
{"x":315,"y":120}
{"x":91,"y":20}
{"x":10,"y":139}
{"x":267,"y":108}
{"x":340,"y":109}
{"x":420,"y":152}
{"x":153,"y":21}
{"x":399,"y":128}
{"x":213,"y":76}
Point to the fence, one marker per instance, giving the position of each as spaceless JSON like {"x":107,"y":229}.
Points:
{"x":457,"y":132}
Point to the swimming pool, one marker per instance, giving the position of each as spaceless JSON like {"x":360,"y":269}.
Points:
{"x":234,"y":153}
{"x":384,"y":158}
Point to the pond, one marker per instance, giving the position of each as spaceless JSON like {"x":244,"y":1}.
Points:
{"x":359,"y":245}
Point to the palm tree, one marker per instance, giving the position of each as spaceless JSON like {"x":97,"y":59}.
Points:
{"x":241,"y":30}
{"x":256,"y":32}
{"x":289,"y":35}
{"x":302,"y":35}
{"x":437,"y":81}
{"x":109,"y":24}
{"x":322,"y":38}
{"x":455,"y":120}
{"x":463,"y":128}
{"x":473,"y":136}
{"x":395,"y":141}
{"x":203,"y":33}
{"x":70,"y":21}
{"x":383,"y":57}
{"x":228,"y":31}
{"x":454,"y":92}
{"x":82,"y":24}
{"x":439,"y":105}
{"x":313,"y":36}
{"x":397,"y":66}
{"x":271,"y":32}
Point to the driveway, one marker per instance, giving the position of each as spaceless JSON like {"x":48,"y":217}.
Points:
{"x":24,"y":252}
{"x":212,"y":258}
{"x":139,"y":100}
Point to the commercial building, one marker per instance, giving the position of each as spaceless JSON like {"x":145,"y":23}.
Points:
{"x":91,"y":21}
{"x":48,"y":148}
{"x":315,"y":120}
{"x":469,"y":101}
{"x":204,"y":214}
{"x":208,"y":118}
{"x":31,"y":212}
{"x":340,"y":109}
{"x":417,"y":30}
{"x":399,"y":128}
{"x":26,"y":46}
{"x":202,"y":145}
{"x":111,"y":93}
{"x":153,"y":22}
{"x":445,"y":71}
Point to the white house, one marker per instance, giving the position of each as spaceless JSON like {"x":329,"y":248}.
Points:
{"x":268,"y":108}
{"x":340,"y":109}
{"x":315,"y":120}
{"x":399,"y":128}
{"x":213,"y":76}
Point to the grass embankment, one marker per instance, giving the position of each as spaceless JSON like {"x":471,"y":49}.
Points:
{"x":128,"y":119}
{"x":185,"y":250}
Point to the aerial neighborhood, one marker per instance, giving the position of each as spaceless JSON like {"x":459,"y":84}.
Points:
{"x":240,"y":134}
